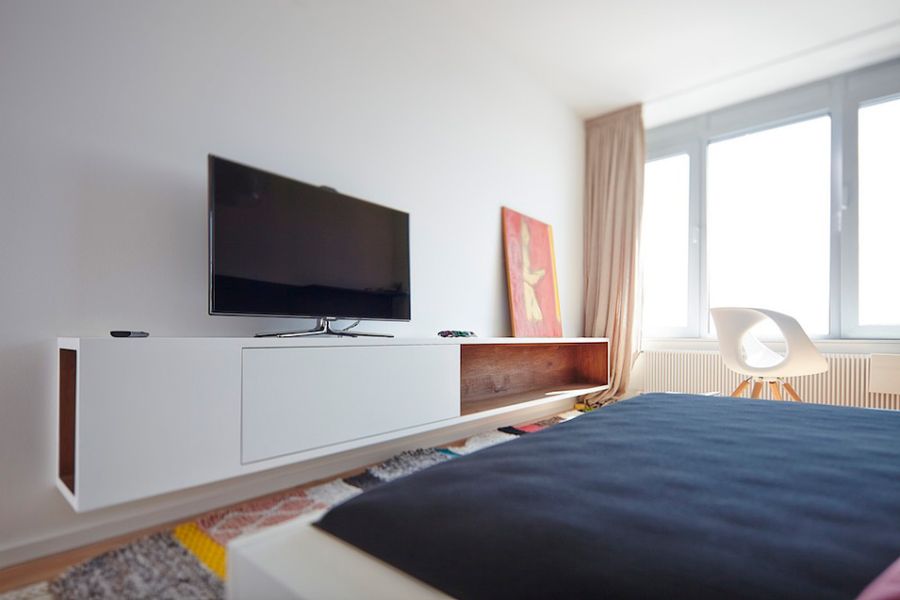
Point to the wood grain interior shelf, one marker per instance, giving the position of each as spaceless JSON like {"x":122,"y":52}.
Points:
{"x":477,"y":405}
{"x":497,"y":375}
{"x":68,"y":360}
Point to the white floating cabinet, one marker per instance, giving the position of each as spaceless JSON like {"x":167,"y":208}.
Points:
{"x":147,"y":416}
{"x":297,"y":399}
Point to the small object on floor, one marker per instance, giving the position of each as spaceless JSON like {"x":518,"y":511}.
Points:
{"x":456,"y":333}
{"x":128,"y":334}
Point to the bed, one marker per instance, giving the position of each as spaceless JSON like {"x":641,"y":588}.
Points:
{"x":660,"y":495}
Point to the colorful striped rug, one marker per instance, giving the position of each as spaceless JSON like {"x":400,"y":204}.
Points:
{"x":189,"y":561}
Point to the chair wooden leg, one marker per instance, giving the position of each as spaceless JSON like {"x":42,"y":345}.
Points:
{"x":792,"y":392}
{"x":775,"y":389}
{"x":740,"y":389}
{"x":757,"y":389}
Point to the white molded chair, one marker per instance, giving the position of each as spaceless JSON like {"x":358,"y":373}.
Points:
{"x":745,"y":354}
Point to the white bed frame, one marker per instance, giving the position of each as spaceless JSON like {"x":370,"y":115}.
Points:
{"x":298,"y":560}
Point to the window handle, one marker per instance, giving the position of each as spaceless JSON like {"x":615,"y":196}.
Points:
{"x":843,"y":206}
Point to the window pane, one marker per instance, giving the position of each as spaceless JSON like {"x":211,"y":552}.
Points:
{"x":879,"y":213}
{"x":768,"y":221}
{"x":664,"y":243}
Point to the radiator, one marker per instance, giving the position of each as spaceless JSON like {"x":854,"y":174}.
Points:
{"x":845,"y":383}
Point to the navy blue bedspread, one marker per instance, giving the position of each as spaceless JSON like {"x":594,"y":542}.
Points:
{"x":657,"y":496}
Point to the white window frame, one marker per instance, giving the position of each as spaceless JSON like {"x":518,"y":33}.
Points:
{"x":692,"y":150}
{"x":872,"y":88}
{"x":840,"y":97}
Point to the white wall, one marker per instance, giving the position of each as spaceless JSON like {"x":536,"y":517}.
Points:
{"x":107,"y":113}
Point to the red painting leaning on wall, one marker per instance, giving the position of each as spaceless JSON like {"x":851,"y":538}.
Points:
{"x":530,"y":276}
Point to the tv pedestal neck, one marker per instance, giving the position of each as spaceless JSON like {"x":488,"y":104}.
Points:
{"x":323,"y":327}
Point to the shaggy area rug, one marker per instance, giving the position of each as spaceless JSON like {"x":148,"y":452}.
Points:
{"x":189,"y":561}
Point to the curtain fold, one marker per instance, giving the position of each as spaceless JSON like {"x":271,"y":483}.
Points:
{"x":614,"y":194}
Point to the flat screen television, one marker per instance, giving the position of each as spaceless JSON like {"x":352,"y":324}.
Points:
{"x":280,"y":247}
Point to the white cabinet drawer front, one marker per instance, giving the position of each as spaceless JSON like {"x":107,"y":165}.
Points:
{"x":296,"y":399}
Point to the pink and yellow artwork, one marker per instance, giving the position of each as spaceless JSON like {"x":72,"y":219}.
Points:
{"x":530,"y":276}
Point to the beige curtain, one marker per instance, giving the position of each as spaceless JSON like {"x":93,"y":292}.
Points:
{"x":614,"y":197}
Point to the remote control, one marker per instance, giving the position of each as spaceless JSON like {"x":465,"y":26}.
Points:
{"x":456,"y":333}
{"x":131,"y":334}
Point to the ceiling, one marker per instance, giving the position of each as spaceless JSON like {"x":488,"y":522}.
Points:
{"x":680,"y":58}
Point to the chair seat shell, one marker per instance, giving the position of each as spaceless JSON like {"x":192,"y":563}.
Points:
{"x":744,"y":353}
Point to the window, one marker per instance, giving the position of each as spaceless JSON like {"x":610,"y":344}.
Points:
{"x":664,"y":248}
{"x":789,"y":202}
{"x":768,"y":202}
{"x":879,"y":214}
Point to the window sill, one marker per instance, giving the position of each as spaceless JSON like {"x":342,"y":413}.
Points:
{"x":830,"y":345}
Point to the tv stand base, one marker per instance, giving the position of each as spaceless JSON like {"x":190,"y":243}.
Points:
{"x":323,"y":327}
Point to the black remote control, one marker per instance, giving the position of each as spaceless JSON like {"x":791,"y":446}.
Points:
{"x":119,"y":333}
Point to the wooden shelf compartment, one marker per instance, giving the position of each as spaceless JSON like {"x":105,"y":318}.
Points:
{"x":498,"y":375}
{"x":68,"y":361}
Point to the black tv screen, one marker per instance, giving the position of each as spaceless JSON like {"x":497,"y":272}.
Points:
{"x":280,"y":247}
